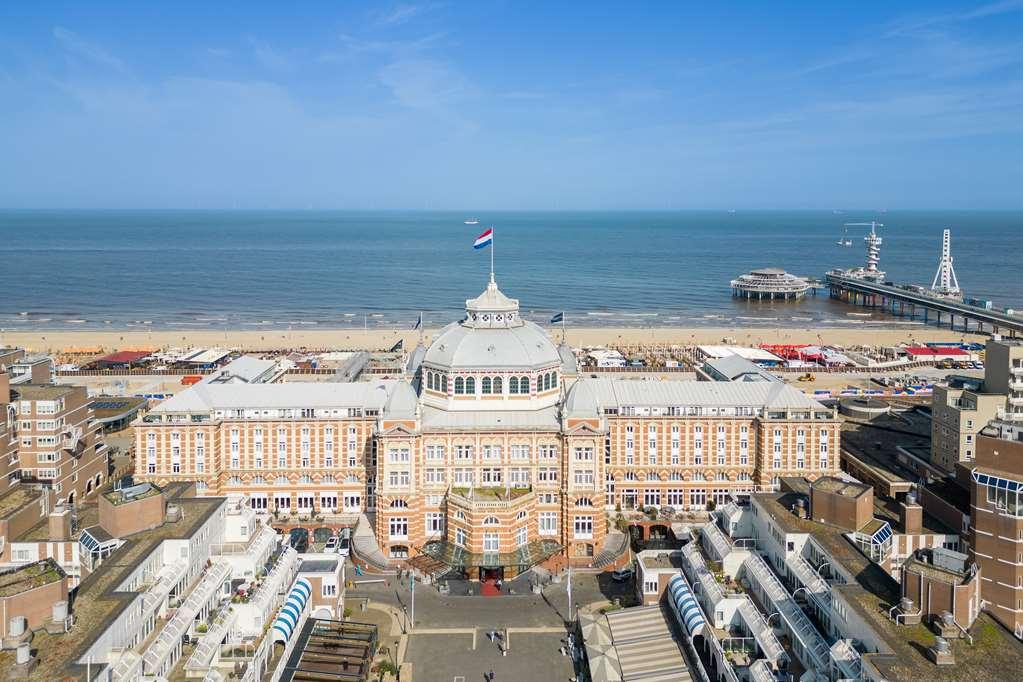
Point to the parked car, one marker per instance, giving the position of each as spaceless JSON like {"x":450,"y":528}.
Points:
{"x":332,"y":544}
{"x":623,"y":576}
{"x":344,"y":547}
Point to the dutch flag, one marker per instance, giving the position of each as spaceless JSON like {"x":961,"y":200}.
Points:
{"x":560,"y":317}
{"x":484,"y":240}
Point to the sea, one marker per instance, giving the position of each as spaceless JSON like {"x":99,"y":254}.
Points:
{"x":194,"y":269}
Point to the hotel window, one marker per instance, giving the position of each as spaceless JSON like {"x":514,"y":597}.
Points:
{"x":800,"y":461}
{"x":398,"y":455}
{"x":463,"y":477}
{"x":398,"y":479}
{"x":824,"y":442}
{"x":545,"y":475}
{"x":583,"y":528}
{"x":584,"y":477}
{"x":398,"y":528}
{"x":434,"y":523}
{"x":676,"y":445}
{"x":584,"y":454}
{"x":548,"y":452}
{"x":461,"y":537}
{"x":513,"y":385}
{"x":721,"y":452}
{"x":492,"y":452}
{"x":434,"y":476}
{"x":675,"y":497}
{"x":519,"y":477}
{"x":607,"y":449}
{"x":698,"y":452}
{"x":491,"y":476}
{"x":697,"y":498}
{"x":463,"y":452}
{"x":328,"y":461}
{"x":744,"y":457}
{"x":776,"y":462}
{"x":470,"y":386}
{"x":435,"y":453}
{"x":522,"y":536}
{"x":491,"y":542}
{"x":519,"y":452}
{"x":652,"y":498}
{"x":651,"y":586}
{"x":824,"y":462}
{"x":485,"y":386}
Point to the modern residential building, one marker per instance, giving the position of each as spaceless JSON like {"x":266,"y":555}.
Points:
{"x":797,"y":583}
{"x":962,"y":407}
{"x":492,"y":453}
{"x":996,"y":534}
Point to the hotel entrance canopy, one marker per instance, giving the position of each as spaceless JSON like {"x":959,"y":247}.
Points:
{"x":453,"y":556}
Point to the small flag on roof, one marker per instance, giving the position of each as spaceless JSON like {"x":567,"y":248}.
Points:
{"x":560,"y":317}
{"x":398,"y":346}
{"x":485,"y":239}
{"x":419,"y":322}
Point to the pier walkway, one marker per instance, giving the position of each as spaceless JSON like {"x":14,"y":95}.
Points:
{"x":904,"y":301}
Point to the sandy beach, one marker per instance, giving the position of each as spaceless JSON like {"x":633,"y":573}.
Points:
{"x":378,"y":339}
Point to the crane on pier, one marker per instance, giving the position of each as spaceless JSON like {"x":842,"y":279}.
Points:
{"x":945,"y":282}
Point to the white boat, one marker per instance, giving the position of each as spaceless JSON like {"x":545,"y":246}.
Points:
{"x":845,"y":241}
{"x":472,"y":221}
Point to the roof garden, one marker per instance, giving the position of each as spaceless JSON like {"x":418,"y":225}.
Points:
{"x":29,"y":577}
{"x":131,"y":494}
{"x":17,"y":498}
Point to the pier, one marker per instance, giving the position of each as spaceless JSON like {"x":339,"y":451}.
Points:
{"x":900,"y":301}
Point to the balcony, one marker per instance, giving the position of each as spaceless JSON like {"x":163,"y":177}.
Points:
{"x":796,"y":621}
{"x":847,"y":659}
{"x":762,"y":632}
{"x":715,"y":541}
{"x":816,"y":587}
{"x":699,"y":574}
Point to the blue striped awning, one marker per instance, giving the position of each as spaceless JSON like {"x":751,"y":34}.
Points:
{"x":291,"y":612}
{"x":685,"y":606}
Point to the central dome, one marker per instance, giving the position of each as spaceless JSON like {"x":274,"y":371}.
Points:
{"x":492,"y":336}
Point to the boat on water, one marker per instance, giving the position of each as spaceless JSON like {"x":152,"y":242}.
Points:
{"x":472,"y":221}
{"x":845,"y":240}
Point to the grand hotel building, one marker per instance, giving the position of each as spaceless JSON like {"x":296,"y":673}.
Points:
{"x":492,"y":446}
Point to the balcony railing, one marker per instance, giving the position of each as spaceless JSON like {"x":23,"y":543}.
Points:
{"x":816,"y":586}
{"x":715,"y":541}
{"x":698,"y":573}
{"x":762,"y":632}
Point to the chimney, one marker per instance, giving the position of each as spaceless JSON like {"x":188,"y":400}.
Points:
{"x":60,"y":524}
{"x":911,"y":516}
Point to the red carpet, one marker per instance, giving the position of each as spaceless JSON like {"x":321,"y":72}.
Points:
{"x":488,"y":588}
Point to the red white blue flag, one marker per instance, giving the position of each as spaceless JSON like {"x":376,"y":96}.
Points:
{"x":484,"y":240}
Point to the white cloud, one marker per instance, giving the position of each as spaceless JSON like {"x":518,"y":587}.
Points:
{"x":76,"y":45}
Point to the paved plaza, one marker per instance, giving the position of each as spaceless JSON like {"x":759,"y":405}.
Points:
{"x":441,"y":645}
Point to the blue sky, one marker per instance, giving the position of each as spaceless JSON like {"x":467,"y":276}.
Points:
{"x":511,"y":105}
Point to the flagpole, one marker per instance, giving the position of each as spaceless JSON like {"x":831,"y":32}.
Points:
{"x":493,"y":247}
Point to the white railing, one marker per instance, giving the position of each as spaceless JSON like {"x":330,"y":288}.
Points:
{"x":168,"y":576}
{"x":698,"y":573}
{"x":715,"y":541}
{"x":761,"y":672}
{"x":847,"y":659}
{"x":769,"y":644}
{"x":816,"y":586}
{"x":170,"y":637}
{"x":724,"y":665}
{"x":128,"y":666}
{"x":794,"y":618}
{"x":271,"y":588}
{"x":204,"y":652}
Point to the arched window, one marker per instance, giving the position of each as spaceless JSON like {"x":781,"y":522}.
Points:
{"x":234,"y":480}
{"x":583,"y":502}
{"x":498,"y":388}
{"x":429,"y":380}
{"x":491,"y":521}
{"x":513,"y":385}
{"x":305,"y":479}
{"x":444,"y":383}
{"x":399,"y":504}
{"x":470,"y":386}
{"x":327,"y":479}
{"x":257,"y":480}
{"x":459,"y":386}
{"x":554,"y":379}
{"x":485,"y":386}
{"x":282,"y":480}
{"x":548,"y":378}
{"x":520,"y":516}
{"x":524,"y":385}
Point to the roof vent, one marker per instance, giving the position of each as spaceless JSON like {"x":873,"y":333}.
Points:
{"x":941,"y":652}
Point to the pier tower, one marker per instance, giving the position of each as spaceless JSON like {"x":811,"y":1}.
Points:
{"x":945,"y":282}
{"x":870,"y":270}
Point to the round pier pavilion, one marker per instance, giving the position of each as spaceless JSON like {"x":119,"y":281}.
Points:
{"x":769,"y":283}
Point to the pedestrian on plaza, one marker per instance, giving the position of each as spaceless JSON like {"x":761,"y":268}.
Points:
{"x":491,"y":675}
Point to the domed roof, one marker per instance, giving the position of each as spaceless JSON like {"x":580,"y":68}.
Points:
{"x":492,"y":336}
{"x":582,"y":400}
